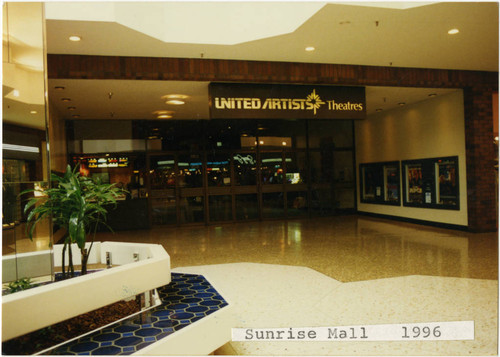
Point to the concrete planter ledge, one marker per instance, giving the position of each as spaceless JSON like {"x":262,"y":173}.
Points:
{"x":136,"y":273}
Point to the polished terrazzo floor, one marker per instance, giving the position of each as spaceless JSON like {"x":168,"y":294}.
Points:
{"x":346,"y":248}
{"x":278,"y":296}
{"x":341,"y":271}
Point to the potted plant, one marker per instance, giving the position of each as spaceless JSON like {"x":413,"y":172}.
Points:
{"x":75,"y":203}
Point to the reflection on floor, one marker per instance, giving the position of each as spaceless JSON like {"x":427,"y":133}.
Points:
{"x":341,"y":271}
{"x":14,"y":238}
{"x":363,"y":271}
{"x":347,"y":248}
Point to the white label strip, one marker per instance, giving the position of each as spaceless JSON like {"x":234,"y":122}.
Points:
{"x":425,"y":331}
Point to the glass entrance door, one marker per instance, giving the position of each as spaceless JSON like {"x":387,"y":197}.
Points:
{"x":190,"y":188}
{"x":219,"y":179}
{"x":277,"y":170}
{"x":272,"y":180}
{"x":162,"y":188}
{"x":176,"y":188}
{"x":245,"y":185}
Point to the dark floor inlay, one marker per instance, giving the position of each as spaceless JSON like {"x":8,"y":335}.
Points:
{"x":188,"y":298}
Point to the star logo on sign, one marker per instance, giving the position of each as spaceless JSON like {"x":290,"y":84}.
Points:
{"x":315,"y":100}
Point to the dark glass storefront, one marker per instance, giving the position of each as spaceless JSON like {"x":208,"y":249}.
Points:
{"x":210,"y":171}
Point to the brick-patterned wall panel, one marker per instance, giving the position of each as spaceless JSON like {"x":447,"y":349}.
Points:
{"x":480,"y":151}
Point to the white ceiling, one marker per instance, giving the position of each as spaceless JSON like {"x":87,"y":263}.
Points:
{"x":398,"y":34}
{"x":343,"y":34}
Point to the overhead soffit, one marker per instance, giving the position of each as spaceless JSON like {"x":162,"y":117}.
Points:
{"x":133,"y":99}
{"x":383,"y":34}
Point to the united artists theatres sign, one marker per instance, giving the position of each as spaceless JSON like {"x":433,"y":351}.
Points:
{"x":275,"y":101}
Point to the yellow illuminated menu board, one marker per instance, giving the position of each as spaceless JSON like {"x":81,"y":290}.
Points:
{"x":105,"y":162}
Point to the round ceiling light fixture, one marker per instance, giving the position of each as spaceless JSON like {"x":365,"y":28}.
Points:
{"x":310,"y":48}
{"x":33,"y":112}
{"x":75,"y":38}
{"x":175,"y":102}
{"x":453,"y":32}
{"x":175,"y":99}
{"x":163,"y":114}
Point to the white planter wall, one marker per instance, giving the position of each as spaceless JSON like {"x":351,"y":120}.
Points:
{"x":32,"y":309}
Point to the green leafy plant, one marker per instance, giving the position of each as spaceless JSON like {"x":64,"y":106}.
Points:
{"x":76,"y":203}
{"x":20,"y":284}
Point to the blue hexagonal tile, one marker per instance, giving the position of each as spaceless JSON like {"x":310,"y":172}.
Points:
{"x":106,"y":337}
{"x":146,"y":332}
{"x":84,"y":347}
{"x":188,"y":298}
{"x":128,"y":341}
{"x":197,"y":309}
{"x":126,"y":328}
{"x":108,"y":350}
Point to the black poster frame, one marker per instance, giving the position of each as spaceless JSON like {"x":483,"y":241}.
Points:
{"x":427,"y":184}
{"x":378,"y":182}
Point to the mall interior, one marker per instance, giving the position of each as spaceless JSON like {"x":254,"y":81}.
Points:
{"x":321,"y":164}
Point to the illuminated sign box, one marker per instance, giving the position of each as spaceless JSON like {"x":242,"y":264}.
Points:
{"x":104,"y":162}
{"x":276,"y":101}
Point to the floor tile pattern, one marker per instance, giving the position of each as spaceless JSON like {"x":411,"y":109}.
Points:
{"x":187,"y":299}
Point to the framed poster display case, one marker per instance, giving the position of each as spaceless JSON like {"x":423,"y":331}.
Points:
{"x":380,"y":183}
{"x":431,"y":183}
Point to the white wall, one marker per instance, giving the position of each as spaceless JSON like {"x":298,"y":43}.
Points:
{"x":432,"y":128}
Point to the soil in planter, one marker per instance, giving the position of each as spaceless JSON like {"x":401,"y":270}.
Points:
{"x":63,"y":331}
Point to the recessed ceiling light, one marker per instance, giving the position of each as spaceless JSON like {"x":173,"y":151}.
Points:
{"x":453,"y":32}
{"x":175,"y":99}
{"x":15,"y":93}
{"x":59,"y":88}
{"x":378,"y":109}
{"x":175,"y":96}
{"x":175,"y":102}
{"x":163,"y":112}
{"x":33,"y":112}
{"x":310,"y":48}
{"x":76,"y":116}
{"x":75,"y":38}
{"x":401,"y":104}
{"x":164,"y":116}
{"x":66,"y":99}
{"x":432,"y":95}
{"x":71,"y":108}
